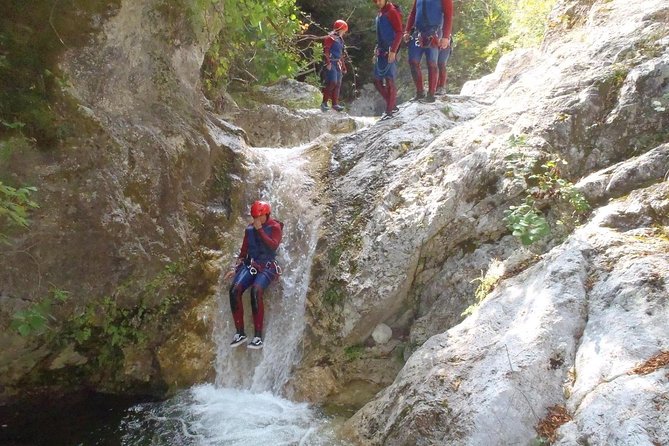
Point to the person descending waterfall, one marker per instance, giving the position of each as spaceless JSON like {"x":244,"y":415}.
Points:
{"x":388,"y":39}
{"x":428,"y":29}
{"x":335,"y":66}
{"x":255,"y":267}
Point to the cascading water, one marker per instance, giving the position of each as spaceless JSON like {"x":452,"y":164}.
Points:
{"x":244,"y":407}
{"x":281,"y":179}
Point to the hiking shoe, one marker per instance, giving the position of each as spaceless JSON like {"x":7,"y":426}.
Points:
{"x":429,"y":98}
{"x":237,"y":340}
{"x":338,"y":107}
{"x":440,"y":91}
{"x":324,"y":107}
{"x":420,"y":95}
{"x":256,"y":343}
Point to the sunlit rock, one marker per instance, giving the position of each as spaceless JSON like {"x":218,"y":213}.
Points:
{"x":382,"y":334}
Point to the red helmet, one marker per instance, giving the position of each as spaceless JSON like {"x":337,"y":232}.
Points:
{"x":259,"y":208}
{"x":340,"y":24}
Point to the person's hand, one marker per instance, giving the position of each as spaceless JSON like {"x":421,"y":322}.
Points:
{"x":444,"y":42}
{"x":328,"y":66}
{"x":257,"y":224}
{"x":406,"y":37}
{"x":229,"y":275}
{"x":392,"y":56}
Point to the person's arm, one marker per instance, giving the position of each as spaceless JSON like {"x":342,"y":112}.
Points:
{"x":396,"y":23}
{"x":244,"y":250}
{"x":411,"y":19}
{"x":327,"y":45}
{"x":273,"y":239}
{"x":240,"y":259}
{"x":447,"y":6}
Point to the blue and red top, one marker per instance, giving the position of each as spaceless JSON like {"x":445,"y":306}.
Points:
{"x":429,"y":16}
{"x":333,"y":47}
{"x":388,"y":29}
{"x":261,"y":244}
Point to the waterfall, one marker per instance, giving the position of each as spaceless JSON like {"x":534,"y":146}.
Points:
{"x":245,"y":405}
{"x":279,"y":176}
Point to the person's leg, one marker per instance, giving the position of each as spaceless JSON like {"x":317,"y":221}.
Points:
{"x":243,"y":279}
{"x":444,"y":54}
{"x":330,"y":87}
{"x":415,"y":53}
{"x":380,"y":69}
{"x":337,"y":88}
{"x":262,"y":281}
{"x":391,"y":89}
{"x":432,"y":55}
{"x":381,"y":88}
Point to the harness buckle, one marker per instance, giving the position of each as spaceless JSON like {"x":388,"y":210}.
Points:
{"x":252,"y":269}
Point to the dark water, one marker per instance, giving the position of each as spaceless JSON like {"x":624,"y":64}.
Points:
{"x":203,"y":415}
{"x":82,"y":419}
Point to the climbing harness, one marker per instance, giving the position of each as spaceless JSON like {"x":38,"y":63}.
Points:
{"x":379,"y":53}
{"x":254,"y":267}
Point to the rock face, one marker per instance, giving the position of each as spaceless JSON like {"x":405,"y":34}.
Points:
{"x":273,"y":125}
{"x":416,"y":224}
{"x":566,"y":331}
{"x":123,"y":206}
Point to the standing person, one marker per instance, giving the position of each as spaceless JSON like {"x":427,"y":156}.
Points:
{"x":388,"y":39}
{"x":256,"y":267}
{"x":333,"y":51}
{"x":444,"y":55}
{"x":429,"y":28}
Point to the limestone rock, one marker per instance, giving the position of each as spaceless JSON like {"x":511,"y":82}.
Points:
{"x":276,"y":126}
{"x":416,"y":219}
{"x":292,"y":94}
{"x":382,"y":334}
{"x":188,"y":356}
{"x":313,"y":384}
{"x":565,"y":331}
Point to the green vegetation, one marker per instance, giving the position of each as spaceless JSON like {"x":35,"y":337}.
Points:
{"x":34,"y":320}
{"x":527,"y":221}
{"x":354,"y":352}
{"x":487,"y":283}
{"x":103,"y":328}
{"x":14,"y":206}
{"x":257,"y":45}
{"x":334,"y":294}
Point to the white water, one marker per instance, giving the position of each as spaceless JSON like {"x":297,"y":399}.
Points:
{"x":281,"y":179}
{"x":245,"y":407}
{"x":211,"y":416}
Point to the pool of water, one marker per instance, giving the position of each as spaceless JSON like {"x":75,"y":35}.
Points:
{"x":203,"y":416}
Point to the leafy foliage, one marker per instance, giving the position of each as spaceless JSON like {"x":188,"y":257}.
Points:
{"x":258,"y":44}
{"x":14,"y":206}
{"x":477,"y":25}
{"x":527,"y":221}
{"x":33,"y":321}
{"x":487,"y":283}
